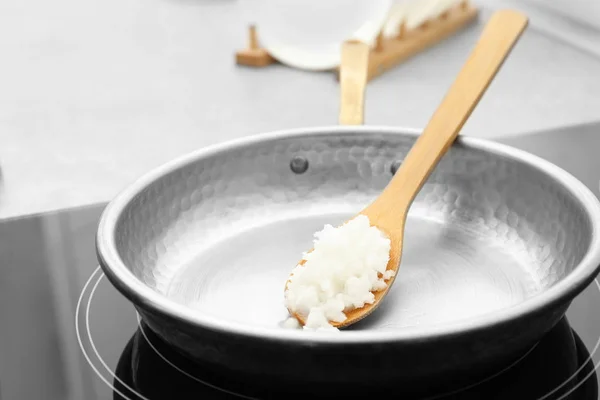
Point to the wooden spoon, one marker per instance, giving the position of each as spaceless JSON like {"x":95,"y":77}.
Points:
{"x":388,"y":212}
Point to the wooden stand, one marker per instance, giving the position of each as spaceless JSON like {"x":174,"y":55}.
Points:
{"x":387,"y":52}
{"x":254,"y":55}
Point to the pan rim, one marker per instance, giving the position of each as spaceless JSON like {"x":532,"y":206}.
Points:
{"x":146,"y":298}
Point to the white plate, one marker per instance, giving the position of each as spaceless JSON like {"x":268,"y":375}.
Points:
{"x":420,"y":11}
{"x":413,"y":13}
{"x":396,"y":17}
{"x":442,"y":6}
{"x":308,"y":34}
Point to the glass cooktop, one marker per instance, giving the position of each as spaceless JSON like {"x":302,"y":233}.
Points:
{"x":66,"y":333}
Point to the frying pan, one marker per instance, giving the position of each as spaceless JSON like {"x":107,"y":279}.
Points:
{"x":497,"y":244}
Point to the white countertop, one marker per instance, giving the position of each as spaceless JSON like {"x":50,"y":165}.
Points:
{"x":93,"y":94}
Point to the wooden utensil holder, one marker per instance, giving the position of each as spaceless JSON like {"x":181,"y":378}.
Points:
{"x":387,"y":52}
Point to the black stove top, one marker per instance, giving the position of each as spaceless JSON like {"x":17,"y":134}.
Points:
{"x":66,"y":333}
{"x":558,"y":367}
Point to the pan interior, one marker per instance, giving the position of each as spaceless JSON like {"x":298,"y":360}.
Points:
{"x":446,"y":274}
{"x":221,"y":233}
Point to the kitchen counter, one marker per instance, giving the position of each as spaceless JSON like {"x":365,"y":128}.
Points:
{"x":96,"y":93}
{"x":574,"y":149}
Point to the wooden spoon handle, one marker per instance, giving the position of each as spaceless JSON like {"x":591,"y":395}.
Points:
{"x":496,"y":42}
{"x":353,"y":79}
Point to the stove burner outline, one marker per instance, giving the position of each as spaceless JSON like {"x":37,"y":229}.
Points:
{"x":111,"y":386}
{"x":77,"y":313}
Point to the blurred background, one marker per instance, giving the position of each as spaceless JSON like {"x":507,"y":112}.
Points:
{"x":95,"y":93}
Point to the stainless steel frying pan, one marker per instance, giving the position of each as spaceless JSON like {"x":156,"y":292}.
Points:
{"x":498,"y":242}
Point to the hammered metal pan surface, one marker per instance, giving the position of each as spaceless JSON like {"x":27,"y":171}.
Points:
{"x":497,"y":244}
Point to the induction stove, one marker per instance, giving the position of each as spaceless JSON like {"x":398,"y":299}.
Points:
{"x":66,"y":333}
